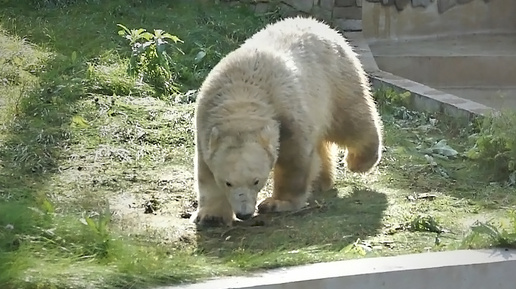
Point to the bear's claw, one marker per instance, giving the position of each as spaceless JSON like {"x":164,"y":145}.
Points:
{"x":210,"y":220}
{"x":271,"y":205}
{"x":267,"y":207}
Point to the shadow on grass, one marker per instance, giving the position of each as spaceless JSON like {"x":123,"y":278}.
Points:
{"x":37,"y":134}
{"x":275,"y":240}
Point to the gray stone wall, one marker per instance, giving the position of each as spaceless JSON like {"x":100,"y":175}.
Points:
{"x":344,"y":14}
{"x":442,"y":5}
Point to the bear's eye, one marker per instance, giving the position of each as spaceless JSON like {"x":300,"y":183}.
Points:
{"x":228,"y":184}
{"x":256,"y":182}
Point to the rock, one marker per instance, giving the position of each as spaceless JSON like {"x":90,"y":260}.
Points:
{"x":421,"y":3}
{"x":348,"y":24}
{"x":401,"y":4}
{"x":327,"y":4}
{"x":344,"y":3}
{"x":303,"y":5}
{"x":347,"y":12}
{"x":261,"y":8}
{"x":445,"y":5}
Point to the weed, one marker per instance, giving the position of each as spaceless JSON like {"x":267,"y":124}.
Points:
{"x":425,"y":224}
{"x":495,"y":146}
{"x":107,"y":75}
{"x":99,"y":228}
{"x":150,"y":61}
{"x":390,"y":101}
{"x":493,"y":235}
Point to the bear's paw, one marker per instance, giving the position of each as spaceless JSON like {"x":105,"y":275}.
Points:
{"x":271,"y":205}
{"x":213,"y":217}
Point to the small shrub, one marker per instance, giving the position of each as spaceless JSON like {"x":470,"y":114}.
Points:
{"x":495,"y":146}
{"x":150,"y":60}
{"x":389,"y":100}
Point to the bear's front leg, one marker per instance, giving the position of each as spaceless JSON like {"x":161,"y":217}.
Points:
{"x":293,"y":173}
{"x":213,"y":206}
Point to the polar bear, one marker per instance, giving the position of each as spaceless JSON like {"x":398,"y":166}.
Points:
{"x":282,"y":102}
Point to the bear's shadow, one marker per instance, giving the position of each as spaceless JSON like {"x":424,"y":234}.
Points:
{"x":329,"y":223}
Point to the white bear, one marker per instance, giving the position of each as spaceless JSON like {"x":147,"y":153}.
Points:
{"x":282,"y":102}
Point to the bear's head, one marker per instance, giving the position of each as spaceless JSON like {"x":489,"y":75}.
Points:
{"x":241,"y":164}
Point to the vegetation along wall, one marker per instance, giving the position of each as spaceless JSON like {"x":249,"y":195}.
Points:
{"x":344,"y":14}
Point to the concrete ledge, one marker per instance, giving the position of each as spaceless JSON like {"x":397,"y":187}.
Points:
{"x":425,"y":98}
{"x":422,"y":97}
{"x":463,"y":269}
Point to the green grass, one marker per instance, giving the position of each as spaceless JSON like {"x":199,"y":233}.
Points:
{"x":96,"y":174}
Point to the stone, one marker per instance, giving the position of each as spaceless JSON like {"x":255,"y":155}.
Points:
{"x":421,"y":3}
{"x":327,"y":4}
{"x":463,"y":1}
{"x":358,"y":3}
{"x":344,"y":3}
{"x":387,"y":2}
{"x":301,"y":5}
{"x":445,"y":5}
{"x":261,"y":8}
{"x":348,"y":24}
{"x":321,"y":13}
{"x":288,"y":11}
{"x":401,"y":4}
{"x":347,"y":13}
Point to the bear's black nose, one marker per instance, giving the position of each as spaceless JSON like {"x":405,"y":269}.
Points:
{"x":244,"y":216}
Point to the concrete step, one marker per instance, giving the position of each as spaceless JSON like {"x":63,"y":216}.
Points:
{"x":469,"y":60}
{"x":496,"y":97}
{"x":487,"y":70}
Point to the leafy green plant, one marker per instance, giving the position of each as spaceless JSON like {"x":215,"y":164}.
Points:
{"x":99,"y":228}
{"x":393,"y":103}
{"x":388,"y":97}
{"x":150,"y":61}
{"x":359,"y":248}
{"x":425,"y":223}
{"x":495,"y":146}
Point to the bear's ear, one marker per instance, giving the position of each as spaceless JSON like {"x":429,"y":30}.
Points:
{"x":213,"y":139}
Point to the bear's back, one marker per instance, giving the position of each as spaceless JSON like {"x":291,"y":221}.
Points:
{"x":292,"y":33}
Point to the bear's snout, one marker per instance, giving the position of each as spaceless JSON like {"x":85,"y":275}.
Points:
{"x":243,"y":203}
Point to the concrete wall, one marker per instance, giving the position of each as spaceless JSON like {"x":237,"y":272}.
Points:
{"x":398,"y":19}
{"x":345,"y":14}
{"x":480,"y":269}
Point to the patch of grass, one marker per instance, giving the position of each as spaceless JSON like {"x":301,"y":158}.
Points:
{"x":495,"y":146}
{"x":96,"y":174}
{"x":493,"y":233}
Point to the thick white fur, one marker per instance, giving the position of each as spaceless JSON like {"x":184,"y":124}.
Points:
{"x":282,"y":101}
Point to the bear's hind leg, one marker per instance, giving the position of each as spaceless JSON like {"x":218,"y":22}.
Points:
{"x":359,"y":130}
{"x":293,"y":173}
{"x":325,"y":179}
{"x":214,"y":208}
